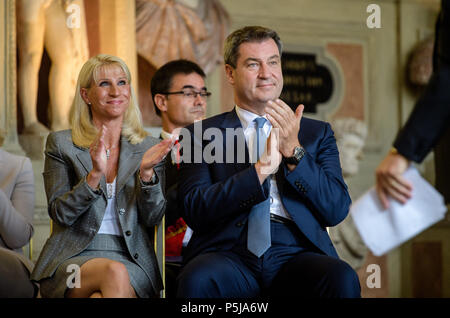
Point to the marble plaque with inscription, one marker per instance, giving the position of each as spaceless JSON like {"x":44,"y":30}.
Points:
{"x":305,"y":81}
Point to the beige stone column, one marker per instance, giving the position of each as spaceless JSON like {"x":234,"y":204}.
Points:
{"x":8,"y":102}
{"x":117,"y":32}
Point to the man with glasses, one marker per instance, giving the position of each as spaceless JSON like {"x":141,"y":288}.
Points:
{"x":179,"y":96}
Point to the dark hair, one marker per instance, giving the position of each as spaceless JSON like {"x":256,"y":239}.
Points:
{"x":162,"y":79}
{"x":247,"y":34}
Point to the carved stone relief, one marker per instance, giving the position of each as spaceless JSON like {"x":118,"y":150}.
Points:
{"x":350,"y":136}
{"x":174,"y":29}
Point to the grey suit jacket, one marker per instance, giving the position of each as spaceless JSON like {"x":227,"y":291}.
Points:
{"x":77,"y":211}
{"x":16,"y":202}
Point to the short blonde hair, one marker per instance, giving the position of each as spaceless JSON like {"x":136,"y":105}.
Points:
{"x":83,"y":129}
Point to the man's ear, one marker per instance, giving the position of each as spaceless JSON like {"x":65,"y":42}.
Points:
{"x":160,"y":102}
{"x":229,"y":72}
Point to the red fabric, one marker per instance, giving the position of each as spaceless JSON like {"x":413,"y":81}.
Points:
{"x":174,"y":237}
{"x":177,"y":160}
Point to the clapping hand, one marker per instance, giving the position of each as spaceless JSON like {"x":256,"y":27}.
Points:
{"x":271,"y":157}
{"x":287,"y":122}
{"x":153,"y":156}
{"x":97,"y":150}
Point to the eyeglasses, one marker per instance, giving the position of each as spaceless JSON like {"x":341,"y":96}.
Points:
{"x":190,"y":94}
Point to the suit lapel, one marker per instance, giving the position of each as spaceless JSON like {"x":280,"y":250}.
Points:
{"x":85,"y":159}
{"x":129,"y":161}
{"x":279,"y":178}
{"x":232,"y":121}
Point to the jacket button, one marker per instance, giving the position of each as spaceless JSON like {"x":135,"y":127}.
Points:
{"x":136,"y":256}
{"x":128,"y":233}
{"x":121,"y":211}
{"x":239,"y":224}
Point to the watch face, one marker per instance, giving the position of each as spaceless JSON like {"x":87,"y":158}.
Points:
{"x":299,"y":153}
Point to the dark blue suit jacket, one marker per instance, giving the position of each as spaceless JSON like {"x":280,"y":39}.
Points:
{"x":217,"y":197}
{"x":428,"y":125}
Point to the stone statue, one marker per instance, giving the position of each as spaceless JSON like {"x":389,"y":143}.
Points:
{"x":216,"y":21}
{"x":49,"y":24}
{"x":181,"y":29}
{"x":421,"y":62}
{"x":350,"y":136}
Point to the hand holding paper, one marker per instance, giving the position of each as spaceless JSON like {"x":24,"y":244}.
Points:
{"x":383,"y":230}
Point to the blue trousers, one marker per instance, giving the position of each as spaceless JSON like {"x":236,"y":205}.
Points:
{"x":291,"y":267}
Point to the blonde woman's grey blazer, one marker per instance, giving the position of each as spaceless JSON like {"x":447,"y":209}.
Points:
{"x":77,"y":210}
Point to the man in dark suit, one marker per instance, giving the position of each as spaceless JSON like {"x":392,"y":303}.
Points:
{"x":427,"y":127}
{"x":179,"y":97}
{"x":295,"y":190}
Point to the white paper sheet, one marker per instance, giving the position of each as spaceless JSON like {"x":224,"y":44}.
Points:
{"x":382,"y":230}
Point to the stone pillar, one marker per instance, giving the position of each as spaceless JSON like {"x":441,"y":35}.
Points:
{"x":8,"y":117}
{"x":8,"y":87}
{"x":117,"y":35}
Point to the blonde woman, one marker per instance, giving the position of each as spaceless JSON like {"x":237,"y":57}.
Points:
{"x":103,"y":183}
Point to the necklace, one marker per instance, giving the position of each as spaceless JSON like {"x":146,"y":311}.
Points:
{"x":108,"y":152}
{"x":110,"y":189}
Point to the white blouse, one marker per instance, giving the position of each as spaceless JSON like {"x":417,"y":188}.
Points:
{"x":110,"y":223}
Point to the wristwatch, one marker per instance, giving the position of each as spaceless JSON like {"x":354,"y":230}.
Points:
{"x":299,"y":153}
{"x":153,"y":180}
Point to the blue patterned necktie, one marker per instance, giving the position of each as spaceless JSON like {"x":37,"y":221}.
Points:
{"x":258,"y":236}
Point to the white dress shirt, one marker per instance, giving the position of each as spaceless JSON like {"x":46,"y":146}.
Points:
{"x":246,"y":117}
